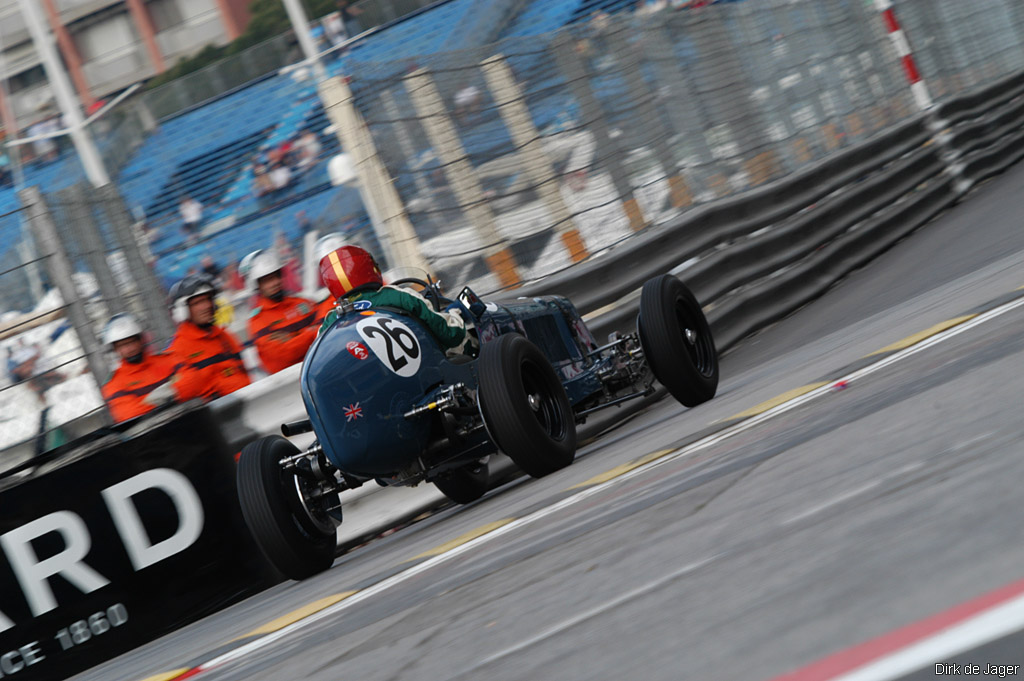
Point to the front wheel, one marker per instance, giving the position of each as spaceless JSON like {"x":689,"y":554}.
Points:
{"x":677,"y":340}
{"x":524,"y":405}
{"x":465,"y":484}
{"x":284,"y":520}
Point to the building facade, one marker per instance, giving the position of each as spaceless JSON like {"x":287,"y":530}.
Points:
{"x":106,"y":45}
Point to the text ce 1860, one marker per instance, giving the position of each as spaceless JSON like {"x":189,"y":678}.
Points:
{"x":75,"y":634}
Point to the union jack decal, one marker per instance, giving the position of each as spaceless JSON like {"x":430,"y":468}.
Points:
{"x":353,"y":412}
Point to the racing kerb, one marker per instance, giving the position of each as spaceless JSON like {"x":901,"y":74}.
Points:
{"x":751,"y":259}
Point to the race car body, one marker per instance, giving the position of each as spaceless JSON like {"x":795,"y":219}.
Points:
{"x":389,"y":404}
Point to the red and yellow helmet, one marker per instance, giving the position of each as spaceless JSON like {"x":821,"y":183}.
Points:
{"x":349,"y":269}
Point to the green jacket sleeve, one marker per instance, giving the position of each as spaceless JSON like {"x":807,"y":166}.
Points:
{"x":450,"y":336}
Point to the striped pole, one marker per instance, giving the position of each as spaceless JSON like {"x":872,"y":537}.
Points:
{"x":899,"y":40}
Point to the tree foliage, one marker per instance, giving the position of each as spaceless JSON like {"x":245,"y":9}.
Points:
{"x":268,"y":18}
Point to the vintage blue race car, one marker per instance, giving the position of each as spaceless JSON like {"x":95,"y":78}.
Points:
{"x":388,"y":405}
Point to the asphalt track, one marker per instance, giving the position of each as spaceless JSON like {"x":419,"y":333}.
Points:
{"x":877,"y":491}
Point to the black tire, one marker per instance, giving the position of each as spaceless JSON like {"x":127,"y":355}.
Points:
{"x":270,"y":504}
{"x":465,"y":484}
{"x":688,"y":367}
{"x":524,"y":406}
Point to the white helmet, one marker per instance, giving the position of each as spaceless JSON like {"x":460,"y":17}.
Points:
{"x":257,"y":265}
{"x":120,"y":327}
{"x":191,"y":286}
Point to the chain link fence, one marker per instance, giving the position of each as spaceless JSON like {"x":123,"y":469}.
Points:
{"x":520,"y":158}
{"x":83,"y":263}
{"x":959,"y":45}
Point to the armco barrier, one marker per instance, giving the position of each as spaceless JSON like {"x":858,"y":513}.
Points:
{"x":118,"y":540}
{"x":984,"y":130}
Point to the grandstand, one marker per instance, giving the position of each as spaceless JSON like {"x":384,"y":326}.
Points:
{"x":207,"y":152}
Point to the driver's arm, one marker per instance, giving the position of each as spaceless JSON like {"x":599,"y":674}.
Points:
{"x":444,"y":330}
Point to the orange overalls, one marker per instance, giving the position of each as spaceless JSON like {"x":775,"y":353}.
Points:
{"x":209,"y":362}
{"x":282,"y":331}
{"x":127,"y":389}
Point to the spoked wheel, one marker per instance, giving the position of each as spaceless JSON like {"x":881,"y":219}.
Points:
{"x":465,"y":484}
{"x":287,"y":515}
{"x":524,"y":406}
{"x":677,"y":340}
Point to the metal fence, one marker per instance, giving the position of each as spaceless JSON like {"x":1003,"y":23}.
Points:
{"x":87,"y":261}
{"x":517,"y":159}
{"x":959,"y":45}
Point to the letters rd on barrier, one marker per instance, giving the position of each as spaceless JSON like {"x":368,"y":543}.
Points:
{"x":122,"y":545}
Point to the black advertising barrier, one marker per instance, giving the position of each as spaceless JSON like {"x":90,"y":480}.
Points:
{"x":119,"y":541}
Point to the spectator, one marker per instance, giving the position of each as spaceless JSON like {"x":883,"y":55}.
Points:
{"x":5,"y":169}
{"x":334,"y":28}
{"x":191,"y":217}
{"x":46,"y":148}
{"x":286,"y":152}
{"x":208,"y":267}
{"x":291,"y":271}
{"x":233,"y":281}
{"x":209,"y":358}
{"x":281,"y":326}
{"x":304,"y":224}
{"x":467,"y":102}
{"x":261,"y":180}
{"x":280,"y":176}
{"x":307,"y":150}
{"x":349,"y":17}
{"x":25,"y":366}
{"x":142,"y":381}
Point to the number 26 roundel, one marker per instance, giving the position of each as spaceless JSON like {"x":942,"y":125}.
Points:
{"x":393,"y":343}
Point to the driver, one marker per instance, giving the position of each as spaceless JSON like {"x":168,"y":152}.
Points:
{"x":351,"y":272}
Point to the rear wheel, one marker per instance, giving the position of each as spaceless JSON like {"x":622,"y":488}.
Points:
{"x":677,"y":340}
{"x":465,"y":484}
{"x":283,"y":518}
{"x":524,"y":405}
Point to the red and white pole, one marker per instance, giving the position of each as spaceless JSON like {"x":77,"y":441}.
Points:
{"x":899,"y":40}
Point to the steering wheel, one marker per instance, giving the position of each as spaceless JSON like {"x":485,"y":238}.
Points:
{"x":435,"y":299}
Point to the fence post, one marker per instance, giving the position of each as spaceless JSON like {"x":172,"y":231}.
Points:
{"x":82,"y":223}
{"x":652,"y":126}
{"x":510,"y":102}
{"x":905,"y":54}
{"x":60,"y":270}
{"x":151,"y":299}
{"x":391,"y":223}
{"x":578,"y":80}
{"x":459,"y":171}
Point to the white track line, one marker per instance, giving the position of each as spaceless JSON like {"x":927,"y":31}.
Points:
{"x":688,"y":450}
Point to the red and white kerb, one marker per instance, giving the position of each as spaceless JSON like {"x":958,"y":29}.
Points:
{"x":899,"y":40}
